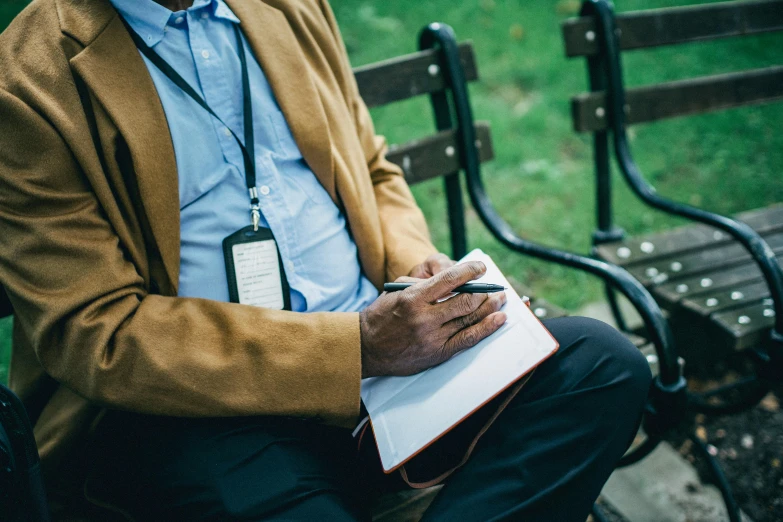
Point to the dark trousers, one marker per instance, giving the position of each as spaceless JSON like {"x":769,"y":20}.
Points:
{"x":545,"y":458}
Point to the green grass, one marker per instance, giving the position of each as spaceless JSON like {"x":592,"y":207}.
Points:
{"x":542,"y":179}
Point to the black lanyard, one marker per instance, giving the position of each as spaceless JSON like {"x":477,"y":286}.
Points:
{"x":248,"y":152}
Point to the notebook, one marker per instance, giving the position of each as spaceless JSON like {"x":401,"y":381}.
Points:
{"x":408,"y":414}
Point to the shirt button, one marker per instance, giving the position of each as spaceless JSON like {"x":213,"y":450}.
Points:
{"x":204,"y":15}
{"x":264,"y":190}
{"x":205,"y":54}
{"x":179,"y":20}
{"x":227,"y":131}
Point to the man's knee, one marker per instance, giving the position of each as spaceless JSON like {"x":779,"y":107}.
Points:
{"x":599,"y":355}
{"x":622,"y":362}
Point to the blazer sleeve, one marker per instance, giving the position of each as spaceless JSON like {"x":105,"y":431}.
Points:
{"x":83,"y":306}
{"x":405,"y":233}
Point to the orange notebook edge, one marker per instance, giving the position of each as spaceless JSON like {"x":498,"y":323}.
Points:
{"x":509,"y":385}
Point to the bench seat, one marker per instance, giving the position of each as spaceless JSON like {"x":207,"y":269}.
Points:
{"x":706,"y":280}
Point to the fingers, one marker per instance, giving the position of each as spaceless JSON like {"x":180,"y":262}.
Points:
{"x":434,"y":264}
{"x":438,"y":263}
{"x":472,"y":335}
{"x":441,"y":284}
{"x":490,"y":304}
{"x":461,"y":305}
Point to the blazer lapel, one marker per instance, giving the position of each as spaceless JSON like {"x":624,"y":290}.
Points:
{"x":114,"y":72}
{"x":277,"y":50}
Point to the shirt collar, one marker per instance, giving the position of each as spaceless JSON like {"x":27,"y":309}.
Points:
{"x":220,"y":10}
{"x":149,"y":19}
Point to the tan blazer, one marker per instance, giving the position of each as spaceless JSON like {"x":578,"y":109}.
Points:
{"x":90,"y":255}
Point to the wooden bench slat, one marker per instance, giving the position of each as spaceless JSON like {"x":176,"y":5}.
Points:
{"x":747,"y":326}
{"x":657,"y":27}
{"x":683,"y":97}
{"x":672,"y":292}
{"x":685,"y":239}
{"x":408,"y":76}
{"x":720,"y":301}
{"x":700,"y":262}
{"x":651,"y":247}
{"x":437,"y":155}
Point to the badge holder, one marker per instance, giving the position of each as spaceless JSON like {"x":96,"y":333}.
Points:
{"x":254,"y":269}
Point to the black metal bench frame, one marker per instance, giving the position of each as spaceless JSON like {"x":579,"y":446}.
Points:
{"x":599,"y":36}
{"x":22,"y":495}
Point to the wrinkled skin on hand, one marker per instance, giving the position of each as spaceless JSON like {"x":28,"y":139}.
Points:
{"x":406,"y":332}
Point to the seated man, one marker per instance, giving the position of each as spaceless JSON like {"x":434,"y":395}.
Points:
{"x":135,"y":137}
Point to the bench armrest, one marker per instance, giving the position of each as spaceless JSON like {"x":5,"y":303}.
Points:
{"x":761,"y":252}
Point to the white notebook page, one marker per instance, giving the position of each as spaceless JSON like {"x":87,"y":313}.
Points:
{"x":258,"y":274}
{"x":408,"y":413}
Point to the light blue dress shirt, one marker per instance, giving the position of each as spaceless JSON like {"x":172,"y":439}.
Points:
{"x":319,"y":255}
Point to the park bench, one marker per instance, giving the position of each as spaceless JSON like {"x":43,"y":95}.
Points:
{"x":717,"y":280}
{"x":441,"y":71}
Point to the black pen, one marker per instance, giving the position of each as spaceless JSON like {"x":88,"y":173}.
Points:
{"x":470,"y":288}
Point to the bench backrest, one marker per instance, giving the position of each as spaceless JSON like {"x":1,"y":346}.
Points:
{"x":437,"y":155}
{"x":659,"y":27}
{"x":601,"y":36}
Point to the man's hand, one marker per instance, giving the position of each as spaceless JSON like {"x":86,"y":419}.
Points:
{"x":409,"y":331}
{"x":431,"y":266}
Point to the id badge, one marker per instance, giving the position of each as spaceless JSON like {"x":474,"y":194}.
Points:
{"x":254,"y":269}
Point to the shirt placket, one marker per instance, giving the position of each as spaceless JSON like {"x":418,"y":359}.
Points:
{"x":216,"y":83}
{"x":278,"y":217}
{"x":217,"y":88}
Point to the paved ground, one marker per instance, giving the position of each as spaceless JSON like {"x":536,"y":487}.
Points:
{"x":663,"y":487}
